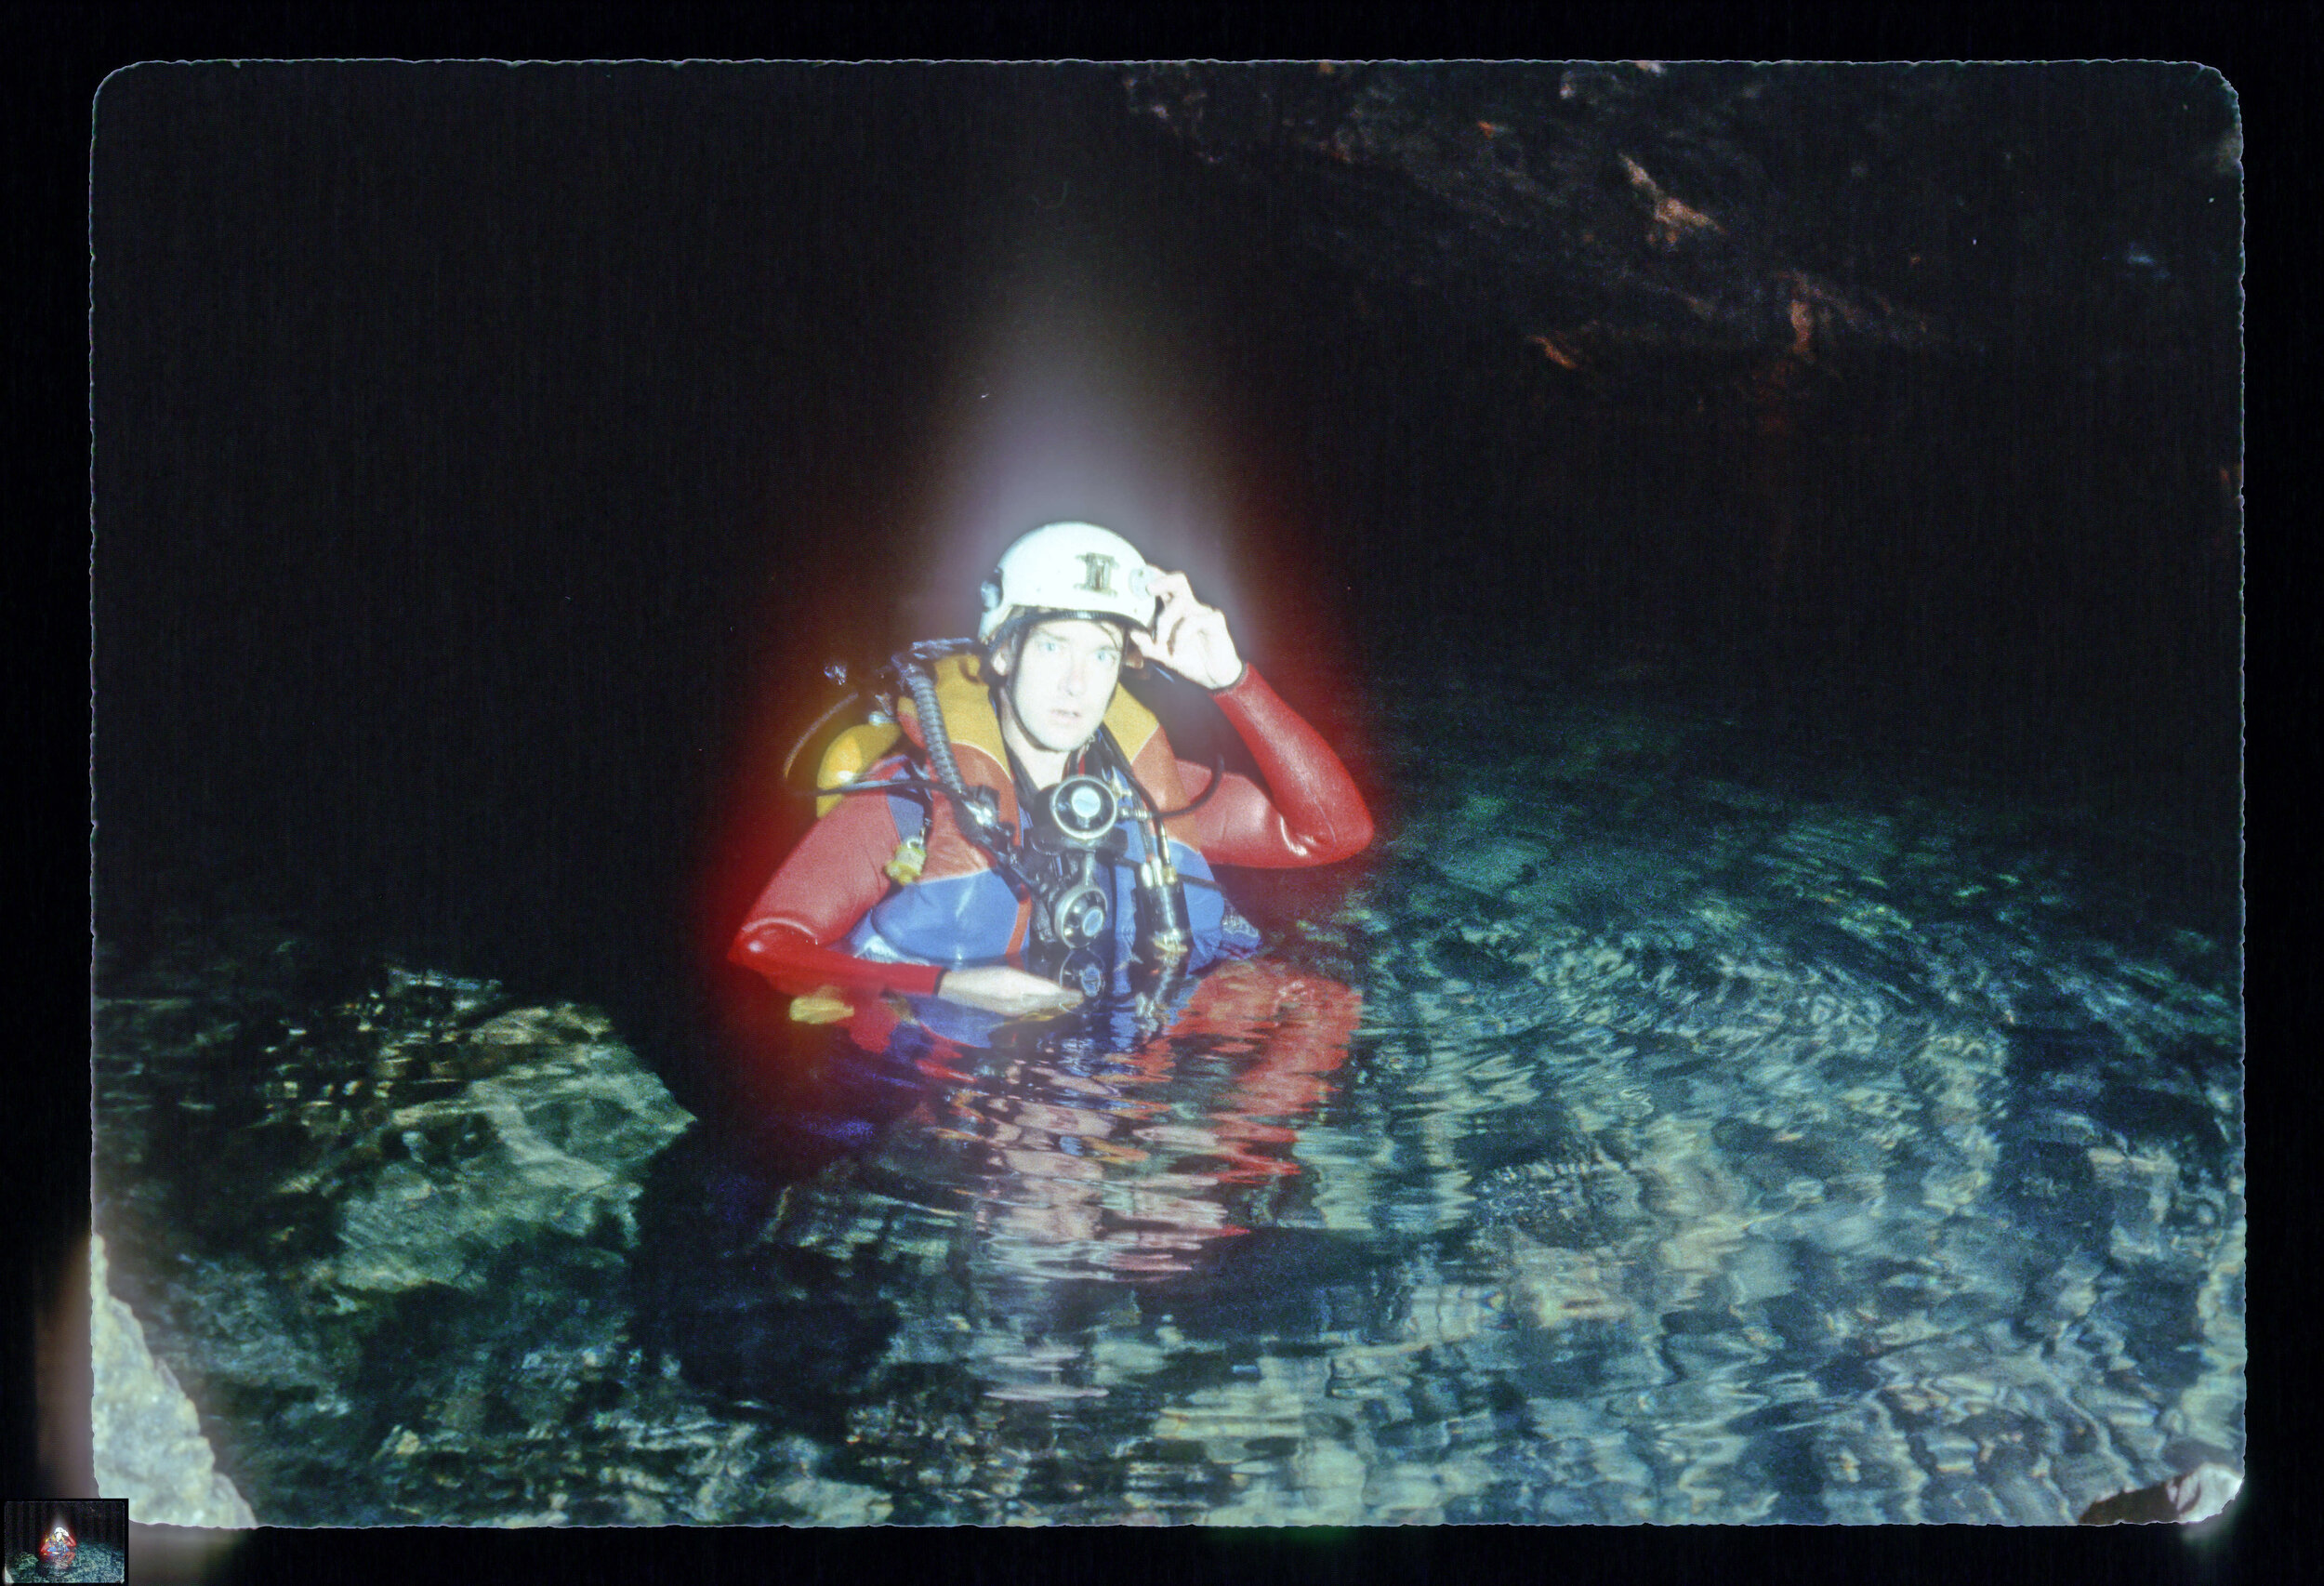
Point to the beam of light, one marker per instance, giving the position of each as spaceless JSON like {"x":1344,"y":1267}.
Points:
{"x":1087,"y":393}
{"x":1075,"y":405}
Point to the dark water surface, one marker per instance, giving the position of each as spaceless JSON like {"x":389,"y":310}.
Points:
{"x":1662,"y":1128}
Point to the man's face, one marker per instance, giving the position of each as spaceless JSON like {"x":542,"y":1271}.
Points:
{"x":1061,"y":680}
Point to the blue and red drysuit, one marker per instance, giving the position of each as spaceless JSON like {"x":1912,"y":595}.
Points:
{"x":848,"y":906}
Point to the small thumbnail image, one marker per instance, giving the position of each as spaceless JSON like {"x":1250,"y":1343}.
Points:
{"x":64,"y":1538}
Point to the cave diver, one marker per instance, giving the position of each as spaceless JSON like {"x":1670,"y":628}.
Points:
{"x":1013,"y":832}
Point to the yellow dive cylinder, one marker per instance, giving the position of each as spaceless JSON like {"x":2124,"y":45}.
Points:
{"x":847,"y":757}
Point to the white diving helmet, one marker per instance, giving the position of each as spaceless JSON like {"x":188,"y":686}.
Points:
{"x":1074,"y":568}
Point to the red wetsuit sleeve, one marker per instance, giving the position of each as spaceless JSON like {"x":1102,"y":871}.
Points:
{"x":831,"y":880}
{"x":1315,"y":815}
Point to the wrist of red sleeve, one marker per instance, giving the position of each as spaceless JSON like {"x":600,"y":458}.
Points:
{"x":1251,"y":702}
{"x":796,"y":965}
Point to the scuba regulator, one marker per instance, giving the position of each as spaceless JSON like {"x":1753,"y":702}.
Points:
{"x":1074,"y":824}
{"x":1077,"y":832}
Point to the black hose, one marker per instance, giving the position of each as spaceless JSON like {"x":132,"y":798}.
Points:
{"x":1121,"y":763}
{"x":923,"y":691}
{"x":1218,"y":775}
{"x":977,"y":822}
{"x":902,"y":665}
{"x":886,"y":785}
{"x":792,"y":759}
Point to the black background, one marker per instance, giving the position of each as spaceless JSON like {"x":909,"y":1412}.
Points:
{"x":487,"y":454}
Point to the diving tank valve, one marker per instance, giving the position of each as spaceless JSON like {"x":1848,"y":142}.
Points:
{"x":850,"y":753}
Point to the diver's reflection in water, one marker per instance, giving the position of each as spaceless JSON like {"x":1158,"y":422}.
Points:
{"x":1092,"y":1156}
{"x":1068,"y":1169}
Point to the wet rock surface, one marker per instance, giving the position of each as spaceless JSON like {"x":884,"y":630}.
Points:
{"x":1615,"y":212}
{"x":379,"y":1231}
{"x":2204,"y":1493}
{"x":145,"y":1434}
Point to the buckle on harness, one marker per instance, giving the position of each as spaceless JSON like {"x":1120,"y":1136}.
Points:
{"x":911,"y":857}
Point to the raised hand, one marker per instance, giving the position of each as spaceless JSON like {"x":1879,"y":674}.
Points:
{"x":1189,"y":638}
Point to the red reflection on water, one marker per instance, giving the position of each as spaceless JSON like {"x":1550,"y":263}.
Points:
{"x":1131,"y":1163}
{"x":1123,"y":1162}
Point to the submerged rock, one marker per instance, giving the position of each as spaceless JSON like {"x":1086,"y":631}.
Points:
{"x":556,"y":1140}
{"x":338,"y":1216}
{"x":1490,"y":866}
